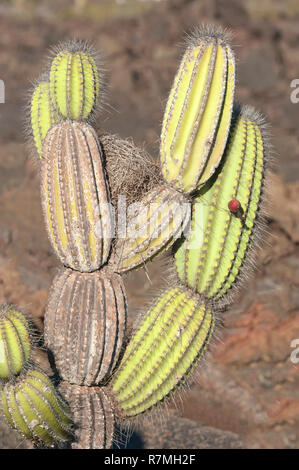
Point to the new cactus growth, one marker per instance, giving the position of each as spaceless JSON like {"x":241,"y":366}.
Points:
{"x":43,"y":114}
{"x":154,"y":224}
{"x":212,"y":256}
{"x":74,"y":81}
{"x":198,"y":112}
{"x":85,"y":323}
{"x":75,"y":196}
{"x":33,"y":407}
{"x":169,"y":342}
{"x":15,"y":346}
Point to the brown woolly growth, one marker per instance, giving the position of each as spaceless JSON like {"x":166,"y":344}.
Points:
{"x":131,"y":171}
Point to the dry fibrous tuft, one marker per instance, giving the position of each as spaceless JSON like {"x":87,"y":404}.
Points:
{"x":131,"y":171}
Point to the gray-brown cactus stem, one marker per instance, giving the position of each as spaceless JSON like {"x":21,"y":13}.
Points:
{"x":85,"y":324}
{"x":93,"y":416}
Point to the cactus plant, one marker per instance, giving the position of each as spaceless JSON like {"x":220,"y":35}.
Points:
{"x":153,"y":225}
{"x":93,"y":416}
{"x":43,"y":114}
{"x":163,"y":351}
{"x":208,"y":159}
{"x":28,"y":399}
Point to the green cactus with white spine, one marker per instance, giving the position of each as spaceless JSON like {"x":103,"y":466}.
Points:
{"x":170,"y":341}
{"x":43,"y":114}
{"x":212,"y":255}
{"x":198,"y":112}
{"x":28,"y":399}
{"x":74,"y":81}
{"x":33,"y":407}
{"x":15,"y":343}
{"x":206,"y":159}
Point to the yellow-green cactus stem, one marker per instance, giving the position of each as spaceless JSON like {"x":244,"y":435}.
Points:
{"x":75,"y":196}
{"x":33,"y":407}
{"x":74,"y":81}
{"x":198,"y":112}
{"x":43,"y":114}
{"x":152,"y":226}
{"x":15,"y":346}
{"x":213,"y":256}
{"x":163,"y":351}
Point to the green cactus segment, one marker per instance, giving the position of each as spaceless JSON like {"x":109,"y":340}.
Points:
{"x":15,"y":347}
{"x":211,"y":258}
{"x":198,"y":114}
{"x":74,"y":84}
{"x":43,"y":114}
{"x":163,"y":351}
{"x":33,"y":407}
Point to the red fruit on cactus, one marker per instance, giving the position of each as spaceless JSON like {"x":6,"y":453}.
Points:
{"x":234,"y":205}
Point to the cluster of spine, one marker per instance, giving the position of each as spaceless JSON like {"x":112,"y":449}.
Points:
{"x":29,"y":400}
{"x":204,"y":200}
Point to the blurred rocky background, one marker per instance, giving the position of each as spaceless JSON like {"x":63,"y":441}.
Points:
{"x":247,"y":391}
